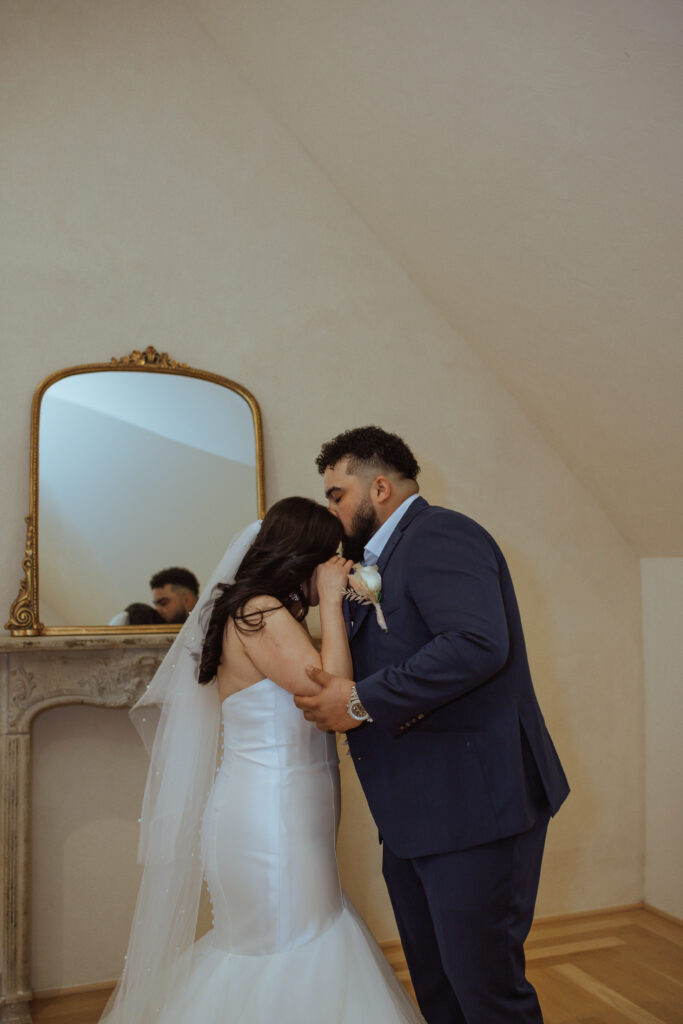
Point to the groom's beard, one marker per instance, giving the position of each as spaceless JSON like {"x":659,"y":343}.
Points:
{"x":363,"y":525}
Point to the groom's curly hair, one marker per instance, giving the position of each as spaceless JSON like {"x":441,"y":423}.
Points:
{"x":369,"y":446}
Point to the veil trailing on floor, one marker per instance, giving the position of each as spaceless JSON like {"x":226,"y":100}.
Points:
{"x":179,"y":722}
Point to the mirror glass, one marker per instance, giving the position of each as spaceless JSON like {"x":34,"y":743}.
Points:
{"x":138,"y":471}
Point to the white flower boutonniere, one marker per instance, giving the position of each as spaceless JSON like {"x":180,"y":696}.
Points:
{"x":365,"y":587}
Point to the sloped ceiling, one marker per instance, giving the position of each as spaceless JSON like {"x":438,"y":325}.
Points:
{"x":522,"y":160}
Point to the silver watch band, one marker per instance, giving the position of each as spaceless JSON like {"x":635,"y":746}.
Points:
{"x":355,"y":707}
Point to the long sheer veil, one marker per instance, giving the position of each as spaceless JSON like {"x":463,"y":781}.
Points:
{"x":179,"y":721}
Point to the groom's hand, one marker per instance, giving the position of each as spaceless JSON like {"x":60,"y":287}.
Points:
{"x":328,"y":708}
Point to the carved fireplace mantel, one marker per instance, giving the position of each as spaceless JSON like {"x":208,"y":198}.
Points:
{"x":37,"y":673}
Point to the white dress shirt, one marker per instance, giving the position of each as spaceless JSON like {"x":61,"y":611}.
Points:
{"x":375,"y":546}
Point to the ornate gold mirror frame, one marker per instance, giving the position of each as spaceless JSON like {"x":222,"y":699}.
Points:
{"x":24,"y":618}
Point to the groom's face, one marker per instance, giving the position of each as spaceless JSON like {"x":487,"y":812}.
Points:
{"x":349,"y":499}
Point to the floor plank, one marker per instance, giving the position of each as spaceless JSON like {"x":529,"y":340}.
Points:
{"x":605,"y":994}
{"x":565,"y":949}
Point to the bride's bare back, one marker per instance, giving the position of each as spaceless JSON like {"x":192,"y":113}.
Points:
{"x":282,"y":648}
{"x":280,"y":651}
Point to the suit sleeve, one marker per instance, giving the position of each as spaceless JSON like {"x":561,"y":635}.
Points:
{"x":454,"y":584}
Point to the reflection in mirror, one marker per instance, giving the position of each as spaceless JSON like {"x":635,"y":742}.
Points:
{"x":138,"y":471}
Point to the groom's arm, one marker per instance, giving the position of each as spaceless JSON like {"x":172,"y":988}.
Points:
{"x":454,"y":584}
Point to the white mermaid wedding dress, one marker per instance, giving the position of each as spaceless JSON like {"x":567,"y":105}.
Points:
{"x":287,"y":946}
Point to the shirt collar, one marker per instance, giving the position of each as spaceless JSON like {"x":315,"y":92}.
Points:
{"x":375,"y":546}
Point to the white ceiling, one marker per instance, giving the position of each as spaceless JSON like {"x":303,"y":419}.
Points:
{"x":521,"y":160}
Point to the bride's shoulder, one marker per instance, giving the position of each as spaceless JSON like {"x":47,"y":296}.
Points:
{"x":261,"y":604}
{"x":263,"y":611}
{"x":265,"y":620}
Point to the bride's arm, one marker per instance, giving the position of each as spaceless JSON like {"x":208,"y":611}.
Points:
{"x":331,"y":579}
{"x":281,"y":648}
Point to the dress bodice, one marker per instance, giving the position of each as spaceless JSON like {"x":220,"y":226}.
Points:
{"x":263,"y":725}
{"x":270,"y":825}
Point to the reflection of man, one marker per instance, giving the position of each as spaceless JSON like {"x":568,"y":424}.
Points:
{"x":445,"y":733}
{"x":174,"y":593}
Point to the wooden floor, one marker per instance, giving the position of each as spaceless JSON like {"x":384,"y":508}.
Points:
{"x":619,"y":967}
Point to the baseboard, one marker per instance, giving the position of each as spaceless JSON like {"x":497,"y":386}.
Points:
{"x":662,"y":913}
{"x":579,"y":915}
{"x":393,"y":945}
{"x":74,"y":990}
{"x":390,"y":946}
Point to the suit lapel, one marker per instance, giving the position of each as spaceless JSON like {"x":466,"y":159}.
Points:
{"x":359,"y":613}
{"x":361,"y":610}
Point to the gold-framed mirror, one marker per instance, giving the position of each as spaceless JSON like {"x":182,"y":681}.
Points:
{"x":136,"y":465}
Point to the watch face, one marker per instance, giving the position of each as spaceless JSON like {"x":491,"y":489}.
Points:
{"x":356,"y":710}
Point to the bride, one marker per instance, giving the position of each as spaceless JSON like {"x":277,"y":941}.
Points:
{"x":286,"y":943}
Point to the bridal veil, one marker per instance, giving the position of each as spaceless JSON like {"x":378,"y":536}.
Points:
{"x":179,"y":721}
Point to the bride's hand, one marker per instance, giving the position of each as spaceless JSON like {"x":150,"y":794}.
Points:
{"x":332,"y":578}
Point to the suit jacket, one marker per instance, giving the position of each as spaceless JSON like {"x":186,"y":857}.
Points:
{"x":458,"y":753}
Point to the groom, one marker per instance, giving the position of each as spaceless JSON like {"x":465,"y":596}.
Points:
{"x":445,"y":732}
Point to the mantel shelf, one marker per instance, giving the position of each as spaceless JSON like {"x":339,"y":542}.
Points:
{"x":87,"y":642}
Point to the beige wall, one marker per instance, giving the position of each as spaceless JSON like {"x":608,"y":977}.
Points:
{"x":663,"y":650}
{"x":152,"y":200}
{"x":522,"y":162}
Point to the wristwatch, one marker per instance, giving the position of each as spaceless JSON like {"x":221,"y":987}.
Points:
{"x":355,"y":708}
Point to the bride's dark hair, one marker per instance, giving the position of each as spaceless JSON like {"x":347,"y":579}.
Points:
{"x":296,"y":535}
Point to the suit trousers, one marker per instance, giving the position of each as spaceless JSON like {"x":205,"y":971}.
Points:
{"x":463,"y":917}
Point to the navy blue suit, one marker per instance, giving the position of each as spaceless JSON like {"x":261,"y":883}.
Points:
{"x":457,"y":766}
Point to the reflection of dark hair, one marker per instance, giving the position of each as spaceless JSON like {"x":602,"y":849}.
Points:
{"x":296,"y":535}
{"x":143,"y":615}
{"x":176,"y":577}
{"x":371,"y":446}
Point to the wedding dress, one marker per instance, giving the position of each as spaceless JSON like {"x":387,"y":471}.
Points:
{"x":287,"y":946}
